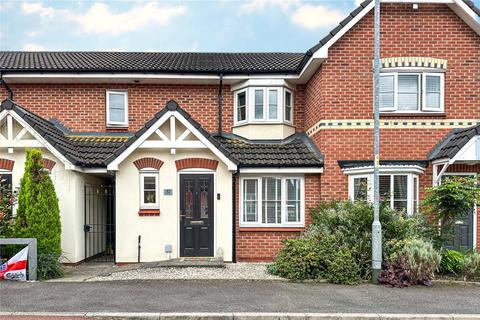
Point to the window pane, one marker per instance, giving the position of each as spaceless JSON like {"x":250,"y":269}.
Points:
{"x":386,"y":91}
{"x":250,"y":203}
{"x":117,"y":115}
{"x":415,"y":194}
{"x":360,"y":189}
{"x":432,"y":84}
{"x":433,"y":100}
{"x":149,"y":183}
{"x":293,"y":200}
{"x":116,"y":100}
{"x":271,"y":188}
{"x":273,"y":104}
{"x":408,"y":92}
{"x":288,"y":106}
{"x":241,"y":106}
{"x":258,"y":104}
{"x":384,"y":187}
{"x":400,"y":192}
{"x":149,"y":196}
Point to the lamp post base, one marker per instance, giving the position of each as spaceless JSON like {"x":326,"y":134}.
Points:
{"x":375,"y":275}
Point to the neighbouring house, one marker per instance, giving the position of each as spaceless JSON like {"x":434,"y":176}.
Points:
{"x":163,"y":155}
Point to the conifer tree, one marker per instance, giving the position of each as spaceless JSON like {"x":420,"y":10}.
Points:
{"x":38,"y":214}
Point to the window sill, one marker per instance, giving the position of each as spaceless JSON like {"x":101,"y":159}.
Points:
{"x":263,"y":123}
{"x":271,"y":229}
{"x":149,"y":212}
{"x":412,"y":114}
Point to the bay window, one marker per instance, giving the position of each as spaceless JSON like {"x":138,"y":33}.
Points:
{"x":411,"y":92}
{"x":400,"y":190}
{"x":272,"y":201}
{"x":263,"y":105}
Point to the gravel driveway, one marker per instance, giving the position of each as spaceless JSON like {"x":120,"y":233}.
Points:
{"x":235,"y":271}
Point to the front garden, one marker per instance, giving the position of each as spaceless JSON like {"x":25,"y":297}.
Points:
{"x":337,"y":246}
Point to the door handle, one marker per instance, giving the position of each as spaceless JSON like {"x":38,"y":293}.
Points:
{"x":197,"y":222}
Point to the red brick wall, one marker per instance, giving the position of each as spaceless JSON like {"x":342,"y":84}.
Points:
{"x":342,"y":88}
{"x":81,"y":107}
{"x":264,"y":245}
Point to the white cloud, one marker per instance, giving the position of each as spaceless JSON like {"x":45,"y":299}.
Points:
{"x":37,"y":8}
{"x":99,"y":18}
{"x":316,"y":16}
{"x":260,"y":5}
{"x":33,"y":47}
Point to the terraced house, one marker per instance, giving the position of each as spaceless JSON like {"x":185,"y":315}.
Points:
{"x":156,"y":156}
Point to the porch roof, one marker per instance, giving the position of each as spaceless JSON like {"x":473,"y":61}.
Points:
{"x":453,"y":143}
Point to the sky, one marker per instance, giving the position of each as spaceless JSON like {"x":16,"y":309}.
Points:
{"x":154,"y":25}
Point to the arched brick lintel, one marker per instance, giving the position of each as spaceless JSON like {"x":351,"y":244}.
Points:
{"x":48,"y":164}
{"x":6,"y":164}
{"x":190,"y":163}
{"x":148,"y":163}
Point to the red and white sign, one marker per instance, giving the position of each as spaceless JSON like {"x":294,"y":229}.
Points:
{"x":16,"y":267}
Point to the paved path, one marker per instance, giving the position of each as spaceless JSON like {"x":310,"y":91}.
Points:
{"x":234,"y":296}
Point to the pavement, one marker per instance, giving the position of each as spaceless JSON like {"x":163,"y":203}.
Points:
{"x":235,"y":296}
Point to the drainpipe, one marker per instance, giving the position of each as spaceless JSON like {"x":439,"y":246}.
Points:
{"x":10,"y":92}
{"x":139,"y":247}
{"x":220,"y":100}
{"x":234,"y":216}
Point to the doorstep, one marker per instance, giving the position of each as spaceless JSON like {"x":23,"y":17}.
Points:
{"x":184,"y":262}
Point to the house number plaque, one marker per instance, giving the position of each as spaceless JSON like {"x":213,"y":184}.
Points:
{"x":167,"y":192}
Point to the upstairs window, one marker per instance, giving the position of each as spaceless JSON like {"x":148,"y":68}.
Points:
{"x":241,"y":106}
{"x":411,"y":92}
{"x":264,"y":105}
{"x":117,"y":109}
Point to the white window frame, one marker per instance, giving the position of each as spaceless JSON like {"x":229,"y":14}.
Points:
{"x":250,"y":107}
{"x":422,"y":108}
{"x":14,"y":190}
{"x":285,"y":106}
{"x":149,"y":173}
{"x":123,"y":123}
{"x":410,"y":192}
{"x":424,"y":91}
{"x":284,"y":223}
{"x":235,"y":106}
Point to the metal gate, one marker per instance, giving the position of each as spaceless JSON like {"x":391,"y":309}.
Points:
{"x":99,"y":224}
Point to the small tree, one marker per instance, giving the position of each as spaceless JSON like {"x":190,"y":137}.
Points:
{"x":38,"y":214}
{"x":453,"y":199}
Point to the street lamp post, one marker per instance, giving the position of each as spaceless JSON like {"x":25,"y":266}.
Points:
{"x":376,"y":226}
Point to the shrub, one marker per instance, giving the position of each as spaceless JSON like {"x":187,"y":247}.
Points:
{"x":7,"y":200}
{"x":452,"y":262}
{"x":453,"y":199}
{"x":352,"y":223}
{"x":396,"y":274}
{"x":316,"y":255}
{"x":49,"y":266}
{"x":38,"y":214}
{"x":423,"y":260}
{"x":471,"y":265}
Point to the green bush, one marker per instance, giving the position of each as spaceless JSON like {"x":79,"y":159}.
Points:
{"x":316,"y":255}
{"x":38,"y":214}
{"x":423,"y":260}
{"x":352,"y":222}
{"x":49,"y":267}
{"x":471,"y":265}
{"x":452,"y":262}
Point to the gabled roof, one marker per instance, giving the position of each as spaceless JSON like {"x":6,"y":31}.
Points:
{"x":157,"y":62}
{"x":295,"y":151}
{"x":79,"y":151}
{"x":453,"y":143}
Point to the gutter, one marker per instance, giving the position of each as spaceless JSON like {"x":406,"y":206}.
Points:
{"x":9,"y":90}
